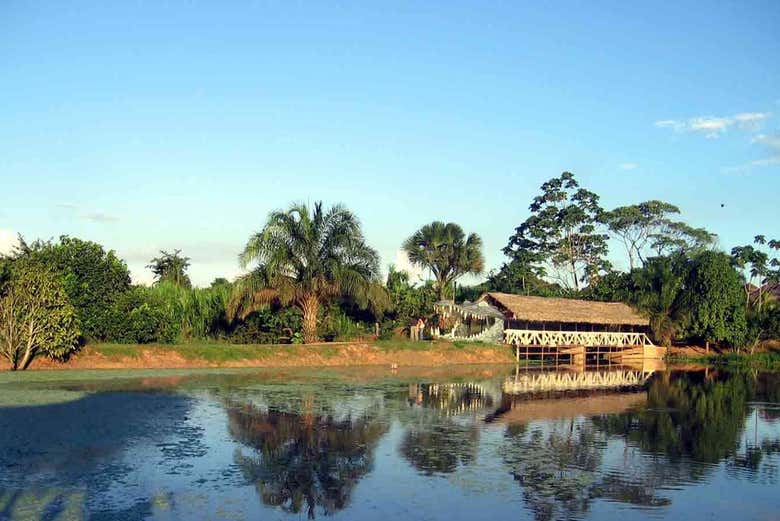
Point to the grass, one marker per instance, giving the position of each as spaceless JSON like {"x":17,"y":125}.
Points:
{"x":760,"y":360}
{"x":221,"y":352}
{"x":395,"y":345}
{"x":209,"y":351}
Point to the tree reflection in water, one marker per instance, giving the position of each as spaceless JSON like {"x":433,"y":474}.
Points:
{"x":555,"y":466}
{"x":692,"y":420}
{"x":436,"y":441}
{"x":304,"y":461}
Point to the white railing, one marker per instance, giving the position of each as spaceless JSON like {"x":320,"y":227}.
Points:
{"x":564,"y":381}
{"x":528,"y":337}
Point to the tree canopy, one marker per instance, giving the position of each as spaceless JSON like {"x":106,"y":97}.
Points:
{"x":305,"y":257}
{"x":637,"y":225}
{"x":172,"y":268}
{"x":712,"y":300}
{"x":36,"y":317}
{"x":562,"y":233}
{"x":445,"y":249}
{"x":92,"y":278}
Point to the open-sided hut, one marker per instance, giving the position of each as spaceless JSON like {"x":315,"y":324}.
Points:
{"x":545,"y":321}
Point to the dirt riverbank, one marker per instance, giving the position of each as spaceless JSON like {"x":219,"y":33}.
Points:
{"x":391,"y":354}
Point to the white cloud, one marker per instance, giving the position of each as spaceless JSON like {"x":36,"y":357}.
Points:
{"x":9,"y":241}
{"x":88,"y":215}
{"x":745,"y":168}
{"x":771,"y":141}
{"x":99,"y":217}
{"x":627,"y":166}
{"x":714,"y":126}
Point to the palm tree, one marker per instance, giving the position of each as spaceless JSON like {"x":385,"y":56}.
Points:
{"x":305,"y":258}
{"x":171,"y":267}
{"x":446,"y":251}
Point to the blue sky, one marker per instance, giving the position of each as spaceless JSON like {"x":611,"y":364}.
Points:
{"x":147,"y":125}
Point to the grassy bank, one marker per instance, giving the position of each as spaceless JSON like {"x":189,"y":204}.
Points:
{"x":769,"y":359}
{"x":200,"y":354}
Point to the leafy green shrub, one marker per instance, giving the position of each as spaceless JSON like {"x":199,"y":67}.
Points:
{"x":269,"y":326}
{"x":92,"y":278}
{"x":141,"y":316}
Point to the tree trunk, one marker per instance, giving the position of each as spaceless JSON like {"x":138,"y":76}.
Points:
{"x":29,"y":354}
{"x":574,"y":275}
{"x":310,"y":307}
{"x":28,"y":358}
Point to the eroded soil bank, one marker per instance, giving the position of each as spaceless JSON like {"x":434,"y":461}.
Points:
{"x":107,"y":356}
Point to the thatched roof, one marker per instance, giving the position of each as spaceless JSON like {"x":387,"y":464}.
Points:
{"x":546,"y":309}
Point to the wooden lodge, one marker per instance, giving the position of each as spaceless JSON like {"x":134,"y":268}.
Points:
{"x":553,"y":327}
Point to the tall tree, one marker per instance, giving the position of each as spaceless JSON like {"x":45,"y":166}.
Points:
{"x":712,"y":300}
{"x":636,"y":226}
{"x":35,"y":315}
{"x":519,"y":276}
{"x":758,"y":269}
{"x":562,"y":233}
{"x":172,"y":268}
{"x":306,"y":257}
{"x":445,"y":249}
{"x":92,"y":278}
{"x":655,"y":289}
{"x":676,"y":236}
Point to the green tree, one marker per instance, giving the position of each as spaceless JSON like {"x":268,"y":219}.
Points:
{"x":678,"y":237}
{"x":758,"y":269}
{"x":35,"y":315}
{"x":610,"y":287}
{"x":305,"y":258}
{"x":143,"y":315}
{"x":655,"y":290}
{"x":92,"y":278}
{"x":171,"y":267}
{"x":712,"y":300}
{"x":561,"y":232}
{"x":445,"y":249}
{"x":637,"y":225}
{"x":522,"y":277}
{"x":409,"y":302}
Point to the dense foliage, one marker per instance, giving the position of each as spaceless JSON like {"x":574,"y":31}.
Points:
{"x":92,"y":278}
{"x":445,"y":250}
{"x":314,"y":277}
{"x":36,"y":318}
{"x":306,"y":258}
{"x":171,"y":268}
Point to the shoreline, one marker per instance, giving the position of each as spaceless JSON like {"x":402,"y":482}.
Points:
{"x":214,"y":355}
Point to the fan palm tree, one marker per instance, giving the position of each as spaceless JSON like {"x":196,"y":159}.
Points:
{"x":306,"y":258}
{"x":446,"y":251}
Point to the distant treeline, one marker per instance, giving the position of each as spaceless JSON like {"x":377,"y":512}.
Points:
{"x":313,"y":277}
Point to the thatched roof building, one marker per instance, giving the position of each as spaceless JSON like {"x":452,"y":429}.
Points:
{"x":562,"y":310}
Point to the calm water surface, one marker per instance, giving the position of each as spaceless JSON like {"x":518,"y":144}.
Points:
{"x":466,"y":443}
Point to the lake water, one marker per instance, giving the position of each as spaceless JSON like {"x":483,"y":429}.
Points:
{"x":449,"y":444}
